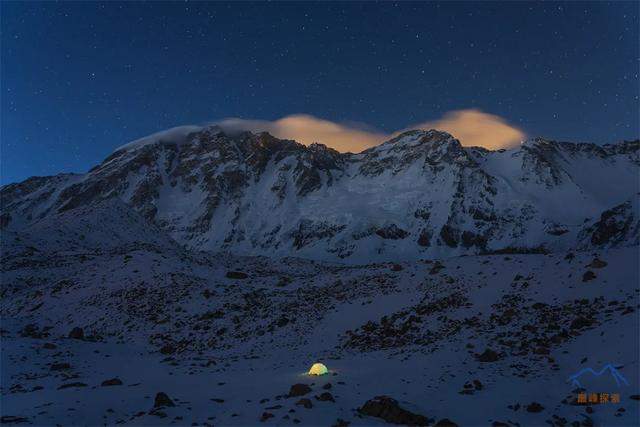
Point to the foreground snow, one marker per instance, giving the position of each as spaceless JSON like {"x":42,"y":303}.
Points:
{"x":227,"y":350}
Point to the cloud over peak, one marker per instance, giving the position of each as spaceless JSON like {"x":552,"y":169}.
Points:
{"x":477,"y":128}
{"x":472,"y":127}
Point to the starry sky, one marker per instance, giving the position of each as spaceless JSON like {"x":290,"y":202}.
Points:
{"x":82,"y":78}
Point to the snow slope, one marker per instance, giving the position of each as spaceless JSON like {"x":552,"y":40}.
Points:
{"x":226,"y":348}
{"x":418,"y":195}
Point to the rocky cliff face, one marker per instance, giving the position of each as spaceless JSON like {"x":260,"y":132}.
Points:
{"x":418,"y":195}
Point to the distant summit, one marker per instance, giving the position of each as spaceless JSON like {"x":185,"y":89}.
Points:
{"x":420,"y":194}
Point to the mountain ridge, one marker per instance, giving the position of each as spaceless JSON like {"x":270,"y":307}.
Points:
{"x":420,"y":194}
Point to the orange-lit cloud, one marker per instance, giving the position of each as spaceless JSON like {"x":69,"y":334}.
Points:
{"x":476,"y":128}
{"x":471,"y":127}
{"x":308,"y":129}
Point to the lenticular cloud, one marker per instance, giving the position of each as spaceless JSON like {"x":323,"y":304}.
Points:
{"x":471,"y":127}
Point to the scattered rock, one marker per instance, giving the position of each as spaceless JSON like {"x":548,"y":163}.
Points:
{"x":535,"y":407}
{"x":33,"y":331}
{"x":581,"y":322}
{"x":60,"y":366}
{"x":389,"y":410}
{"x":70,"y":385}
{"x":325,"y":397}
{"x":305,"y":402}
{"x":162,"y":400}
{"x":236,"y":275}
{"x":167,"y":349}
{"x":76,"y":333}
{"x":597,"y":263}
{"x":392,"y":232}
{"x":112,"y":381}
{"x":446,"y":422}
{"x":299,"y":390}
{"x":265,"y":416}
{"x":11,"y":419}
{"x":488,"y":356}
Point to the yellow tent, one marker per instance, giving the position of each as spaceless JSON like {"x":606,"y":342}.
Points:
{"x":318,"y":369}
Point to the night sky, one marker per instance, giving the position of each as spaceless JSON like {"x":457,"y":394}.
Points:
{"x":80,"y":79}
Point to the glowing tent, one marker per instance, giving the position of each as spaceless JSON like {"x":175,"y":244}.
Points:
{"x":318,"y":369}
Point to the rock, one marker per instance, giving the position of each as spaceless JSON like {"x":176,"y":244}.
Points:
{"x":449,"y":235}
{"x":305,"y":402}
{"x":437,"y":266}
{"x":299,"y":390}
{"x":392,"y":232}
{"x":424,"y":239}
{"x":589,"y":275}
{"x":340,"y":423}
{"x":167,"y":349}
{"x":488,"y":356}
{"x":265,"y":416}
{"x":162,"y":400}
{"x":76,"y":333}
{"x":157,"y":413}
{"x":217,"y":400}
{"x":581,"y":322}
{"x":446,"y":422}
{"x":60,"y":366}
{"x":535,"y":407}
{"x":635,"y":396}
{"x":597,"y":263}
{"x":327,"y":386}
{"x":11,"y":419}
{"x":32,"y":331}
{"x":236,"y":275}
{"x":396,"y":267}
{"x":69,"y":385}
{"x":325,"y":397}
{"x":613,"y":226}
{"x":389,"y":410}
{"x":112,"y":381}
{"x":49,"y":346}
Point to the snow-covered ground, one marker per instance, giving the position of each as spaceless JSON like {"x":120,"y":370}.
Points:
{"x":227,"y":350}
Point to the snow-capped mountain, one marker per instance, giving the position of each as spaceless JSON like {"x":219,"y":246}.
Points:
{"x":420,"y":194}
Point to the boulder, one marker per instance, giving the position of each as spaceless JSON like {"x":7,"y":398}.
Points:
{"x":236,"y":275}
{"x":388,"y":409}
{"x":76,"y":333}
{"x":305,"y":403}
{"x":534,"y":407}
{"x":162,"y":400}
{"x":299,"y":390}
{"x":488,"y":356}
{"x":112,"y":381}
{"x":325,"y":397}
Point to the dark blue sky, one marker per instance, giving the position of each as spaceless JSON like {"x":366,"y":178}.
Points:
{"x":80,"y":79}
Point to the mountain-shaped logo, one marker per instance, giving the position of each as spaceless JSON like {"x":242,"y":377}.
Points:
{"x":608,"y":368}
